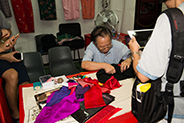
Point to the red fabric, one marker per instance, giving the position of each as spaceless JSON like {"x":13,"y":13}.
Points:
{"x":23,"y":13}
{"x":93,"y":97}
{"x":103,"y":115}
{"x":124,"y":118}
{"x":5,"y":116}
{"x":81,"y":73}
{"x":112,"y":83}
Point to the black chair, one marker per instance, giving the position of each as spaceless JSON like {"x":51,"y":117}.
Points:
{"x":34,"y":65}
{"x":61,"y":62}
{"x":75,"y":30}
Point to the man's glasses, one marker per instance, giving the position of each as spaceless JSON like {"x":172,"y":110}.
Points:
{"x":108,"y":46}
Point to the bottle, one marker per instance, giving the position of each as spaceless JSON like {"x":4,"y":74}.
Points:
{"x":118,"y":36}
{"x":113,"y":32}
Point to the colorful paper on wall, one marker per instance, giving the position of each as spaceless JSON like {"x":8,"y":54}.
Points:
{"x":88,"y":9}
{"x":23,"y":13}
{"x":71,"y":9}
{"x":47,"y":9}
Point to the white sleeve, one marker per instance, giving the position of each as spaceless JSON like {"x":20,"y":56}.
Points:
{"x":155,"y":56}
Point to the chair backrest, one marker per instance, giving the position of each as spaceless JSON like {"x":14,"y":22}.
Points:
{"x":70,"y":28}
{"x":34,"y":65}
{"x":44,"y":42}
{"x":61,"y":62}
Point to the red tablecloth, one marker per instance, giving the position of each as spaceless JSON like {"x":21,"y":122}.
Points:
{"x":5,"y":116}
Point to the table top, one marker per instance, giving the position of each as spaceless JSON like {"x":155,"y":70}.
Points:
{"x":122,"y":95}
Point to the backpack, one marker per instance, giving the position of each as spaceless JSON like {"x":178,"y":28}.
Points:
{"x":149,"y":104}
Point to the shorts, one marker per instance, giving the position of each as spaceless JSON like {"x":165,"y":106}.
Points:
{"x":18,"y":66}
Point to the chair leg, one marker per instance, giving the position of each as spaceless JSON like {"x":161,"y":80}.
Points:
{"x":74,"y":54}
{"x":79,"y":56}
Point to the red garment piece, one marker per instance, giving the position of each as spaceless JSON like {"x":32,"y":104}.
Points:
{"x":23,"y":13}
{"x":93,"y":97}
{"x":112,"y":83}
{"x":124,"y":118}
{"x":103,"y":115}
{"x":5,"y":116}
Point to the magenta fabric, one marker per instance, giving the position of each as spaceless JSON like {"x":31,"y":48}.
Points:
{"x":59,"y":111}
{"x":58,"y":96}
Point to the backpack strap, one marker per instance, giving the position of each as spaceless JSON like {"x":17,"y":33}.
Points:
{"x":176,"y":62}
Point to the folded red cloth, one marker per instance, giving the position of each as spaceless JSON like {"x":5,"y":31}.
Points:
{"x":124,"y":118}
{"x":112,"y":83}
{"x":103,"y":115}
{"x":93,"y":97}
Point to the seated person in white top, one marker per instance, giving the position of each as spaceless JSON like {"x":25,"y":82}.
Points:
{"x":102,"y":52}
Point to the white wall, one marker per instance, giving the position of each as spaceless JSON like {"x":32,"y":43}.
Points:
{"x":124,"y":9}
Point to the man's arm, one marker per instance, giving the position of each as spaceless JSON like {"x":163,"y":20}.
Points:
{"x":135,"y":49}
{"x":9,"y":57}
{"x":89,"y":65}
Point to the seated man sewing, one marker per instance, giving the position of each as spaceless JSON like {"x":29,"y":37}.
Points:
{"x":103,"y":53}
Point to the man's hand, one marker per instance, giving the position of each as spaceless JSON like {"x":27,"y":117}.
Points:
{"x":8,"y":44}
{"x":125,"y":64}
{"x":109,"y":69}
{"x":134,"y":46}
{"x":9,"y":57}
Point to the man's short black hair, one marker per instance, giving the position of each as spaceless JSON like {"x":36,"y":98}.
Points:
{"x":100,"y":31}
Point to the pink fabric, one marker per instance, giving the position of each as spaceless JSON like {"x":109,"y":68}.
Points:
{"x":71,"y":9}
{"x":84,"y":82}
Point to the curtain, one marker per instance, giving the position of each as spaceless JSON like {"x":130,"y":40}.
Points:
{"x":23,"y":13}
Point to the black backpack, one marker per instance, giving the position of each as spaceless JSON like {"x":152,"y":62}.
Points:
{"x":149,"y":104}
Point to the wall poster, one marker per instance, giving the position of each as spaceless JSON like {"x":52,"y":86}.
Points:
{"x":146,"y":13}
